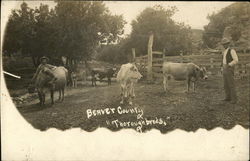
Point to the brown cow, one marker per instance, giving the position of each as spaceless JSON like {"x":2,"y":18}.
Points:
{"x":182,"y":71}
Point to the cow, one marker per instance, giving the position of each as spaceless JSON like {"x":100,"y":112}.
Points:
{"x":127,"y":76}
{"x":101,"y":74}
{"x":42,"y":82}
{"x":182,"y":71}
{"x":73,"y":78}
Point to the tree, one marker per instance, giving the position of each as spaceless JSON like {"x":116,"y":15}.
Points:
{"x":31,"y":32}
{"x":45,"y":33}
{"x":82,"y":25}
{"x":230,"y":22}
{"x":72,"y":29}
{"x":115,"y":53}
{"x":19,"y":31}
{"x":169,"y":35}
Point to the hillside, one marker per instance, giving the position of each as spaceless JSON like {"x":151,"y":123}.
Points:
{"x":232,"y":22}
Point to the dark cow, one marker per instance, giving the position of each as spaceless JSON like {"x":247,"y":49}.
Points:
{"x":182,"y":71}
{"x":101,"y":74}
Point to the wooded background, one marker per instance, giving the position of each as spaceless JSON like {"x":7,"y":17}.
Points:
{"x":84,"y":30}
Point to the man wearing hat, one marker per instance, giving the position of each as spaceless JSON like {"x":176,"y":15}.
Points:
{"x":44,"y":64}
{"x":230,"y":59}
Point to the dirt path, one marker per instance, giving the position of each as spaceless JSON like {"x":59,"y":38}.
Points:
{"x":188,"y":111}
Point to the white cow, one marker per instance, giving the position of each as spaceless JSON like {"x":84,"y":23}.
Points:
{"x":182,"y":71}
{"x":127,"y":76}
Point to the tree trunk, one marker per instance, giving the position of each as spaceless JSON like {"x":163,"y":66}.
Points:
{"x":35,"y":61}
{"x":67,"y":62}
{"x":88,"y":70}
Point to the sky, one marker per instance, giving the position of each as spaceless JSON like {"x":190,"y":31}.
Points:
{"x":192,"y":13}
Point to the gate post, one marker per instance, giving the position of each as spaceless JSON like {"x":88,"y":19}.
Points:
{"x":163,"y":55}
{"x":150,"y":57}
{"x":133,"y":54}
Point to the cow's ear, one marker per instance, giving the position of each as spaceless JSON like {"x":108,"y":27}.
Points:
{"x":132,"y":68}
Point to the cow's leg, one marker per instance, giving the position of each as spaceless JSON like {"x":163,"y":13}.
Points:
{"x":188,"y":84}
{"x":52,"y":96}
{"x":62,"y":94}
{"x":109,"y":81}
{"x":132,"y":90}
{"x":130,"y":94}
{"x":93,"y":81}
{"x":165,"y":82}
{"x":72,"y":82}
{"x":40,"y":98}
{"x":43,"y":98}
{"x":122,"y":93}
{"x":193,"y":86}
{"x":76,"y":83}
{"x":125,"y":91}
{"x":130,"y":100}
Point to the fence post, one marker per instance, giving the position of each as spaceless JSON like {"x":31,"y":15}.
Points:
{"x":150,"y":57}
{"x":212,"y":62}
{"x":163,"y":55}
{"x":133,"y":54}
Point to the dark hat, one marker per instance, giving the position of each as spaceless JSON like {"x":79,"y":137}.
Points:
{"x":225,"y":41}
{"x":44,"y":57}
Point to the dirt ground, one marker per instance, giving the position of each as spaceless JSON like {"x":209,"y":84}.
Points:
{"x":172,"y":110}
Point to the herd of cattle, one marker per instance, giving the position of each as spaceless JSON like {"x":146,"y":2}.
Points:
{"x":127,"y":75}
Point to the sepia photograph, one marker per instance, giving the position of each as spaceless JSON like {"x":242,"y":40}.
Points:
{"x":127,"y":65}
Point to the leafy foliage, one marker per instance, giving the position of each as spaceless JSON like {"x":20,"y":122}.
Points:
{"x":115,"y":53}
{"x":229,"y":22}
{"x":169,"y":35}
{"x":72,"y":29}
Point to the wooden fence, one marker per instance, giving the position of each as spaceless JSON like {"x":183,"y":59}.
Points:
{"x":150,"y":65}
{"x":211,"y":62}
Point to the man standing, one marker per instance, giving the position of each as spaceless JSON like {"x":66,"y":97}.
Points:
{"x":44,"y":64}
{"x":230,"y":59}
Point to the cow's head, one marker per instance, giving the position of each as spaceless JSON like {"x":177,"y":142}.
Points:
{"x":134,"y":73}
{"x":202,"y":72}
{"x":114,"y":71}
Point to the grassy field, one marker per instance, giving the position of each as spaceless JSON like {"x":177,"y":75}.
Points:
{"x":177,"y":109}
